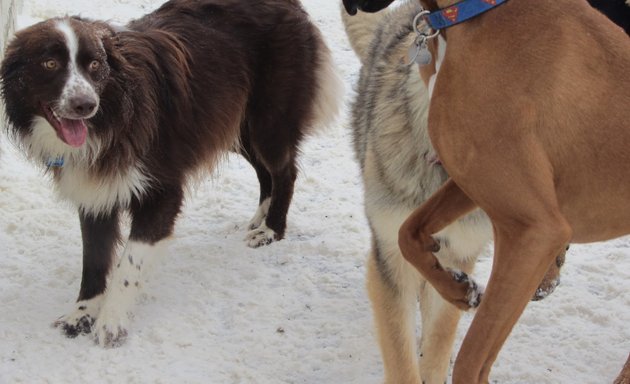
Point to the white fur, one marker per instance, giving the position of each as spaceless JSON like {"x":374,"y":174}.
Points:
{"x":261,"y":214}
{"x":438,"y":63}
{"x":99,"y":195}
{"x":84,"y":309}
{"x":77,"y":84}
{"x":110,"y":328}
{"x":386,"y":221}
{"x":262,"y":235}
{"x":330,"y":90}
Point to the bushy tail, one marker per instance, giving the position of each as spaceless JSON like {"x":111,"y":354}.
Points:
{"x":360,"y":29}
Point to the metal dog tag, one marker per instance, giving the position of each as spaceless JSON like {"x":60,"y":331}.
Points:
{"x":419,"y":53}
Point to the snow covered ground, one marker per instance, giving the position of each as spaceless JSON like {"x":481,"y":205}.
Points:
{"x":293,"y":312}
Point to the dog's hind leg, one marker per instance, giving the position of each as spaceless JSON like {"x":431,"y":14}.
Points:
{"x":153,"y":220}
{"x":277,"y":206}
{"x":417,"y":244}
{"x":624,"y":376}
{"x":264,"y":180}
{"x":100,"y":234}
{"x":274,"y":158}
{"x":552,"y":277}
{"x":270,"y":220}
{"x":529,"y":231}
{"x":523,"y":254}
{"x":394,"y":297}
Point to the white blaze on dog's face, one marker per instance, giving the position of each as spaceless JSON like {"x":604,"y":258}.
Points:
{"x":62,"y":70}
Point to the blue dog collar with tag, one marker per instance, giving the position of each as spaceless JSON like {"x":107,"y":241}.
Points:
{"x":460,"y":12}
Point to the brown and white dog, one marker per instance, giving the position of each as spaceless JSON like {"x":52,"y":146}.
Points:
{"x":530,"y":118}
{"x":124,"y":117}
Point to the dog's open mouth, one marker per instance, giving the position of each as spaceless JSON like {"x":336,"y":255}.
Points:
{"x":71,"y":131}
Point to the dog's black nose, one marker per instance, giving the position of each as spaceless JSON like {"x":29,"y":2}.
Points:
{"x":83,"y":105}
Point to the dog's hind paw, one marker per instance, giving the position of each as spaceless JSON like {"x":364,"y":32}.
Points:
{"x":474,"y":292}
{"x":263,"y":235}
{"x":546,"y":289}
{"x":552,"y":278}
{"x":80,"y":321}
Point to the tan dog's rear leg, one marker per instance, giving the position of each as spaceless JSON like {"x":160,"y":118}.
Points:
{"x":417,"y":245}
{"x":552,"y":277}
{"x":523,"y":254}
{"x":394,"y":304}
{"x":624,"y":376}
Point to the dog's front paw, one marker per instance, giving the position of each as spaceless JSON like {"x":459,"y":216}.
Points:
{"x":110,"y":329}
{"x":263,"y":235}
{"x":474,"y":291}
{"x":80,"y":321}
{"x":73,"y":326}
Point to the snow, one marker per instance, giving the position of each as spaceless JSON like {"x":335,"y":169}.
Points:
{"x":296,"y":311}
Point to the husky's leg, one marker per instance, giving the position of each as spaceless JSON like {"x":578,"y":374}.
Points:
{"x":394,"y":301}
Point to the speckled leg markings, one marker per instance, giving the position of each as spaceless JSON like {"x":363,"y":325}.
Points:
{"x":110,"y":328}
{"x":81,"y":320}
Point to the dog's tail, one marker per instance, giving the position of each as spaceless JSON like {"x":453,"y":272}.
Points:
{"x":360,"y":29}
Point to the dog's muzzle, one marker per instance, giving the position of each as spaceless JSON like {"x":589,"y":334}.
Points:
{"x":365,"y":5}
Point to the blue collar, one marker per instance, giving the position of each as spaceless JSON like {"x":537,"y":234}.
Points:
{"x":55,"y":162}
{"x":460,"y":12}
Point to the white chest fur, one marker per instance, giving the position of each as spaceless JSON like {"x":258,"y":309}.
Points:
{"x":97,"y":195}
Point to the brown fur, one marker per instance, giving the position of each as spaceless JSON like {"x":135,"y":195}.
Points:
{"x":534,"y":131}
{"x":175,"y":91}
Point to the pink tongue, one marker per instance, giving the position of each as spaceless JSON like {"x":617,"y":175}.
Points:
{"x":73,"y":132}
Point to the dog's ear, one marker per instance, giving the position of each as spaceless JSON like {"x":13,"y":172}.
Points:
{"x":13,"y":61}
{"x":111,"y":42}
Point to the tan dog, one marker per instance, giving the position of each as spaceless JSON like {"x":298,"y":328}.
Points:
{"x":531,"y":118}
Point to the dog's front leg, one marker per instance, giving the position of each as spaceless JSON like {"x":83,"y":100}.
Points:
{"x":153,"y":220}
{"x":417,"y":245}
{"x":100,"y":234}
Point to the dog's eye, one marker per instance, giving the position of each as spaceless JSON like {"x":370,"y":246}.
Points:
{"x":50,"y":65}
{"x":94,"y":65}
